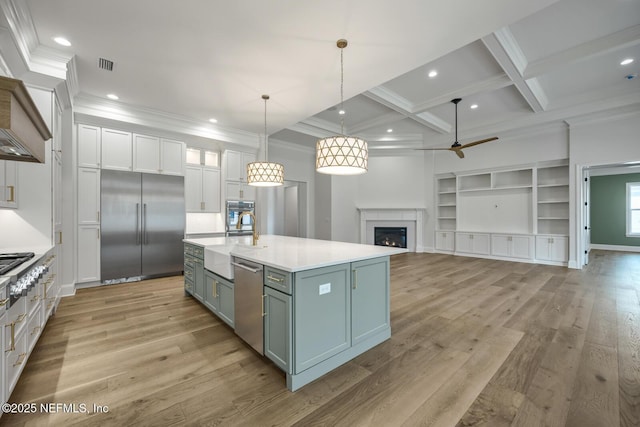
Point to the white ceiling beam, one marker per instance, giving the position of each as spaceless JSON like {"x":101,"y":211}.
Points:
{"x":385,"y":119}
{"x":506,"y":51}
{"x":619,"y":40}
{"x":486,"y":85}
{"x":392,"y":100}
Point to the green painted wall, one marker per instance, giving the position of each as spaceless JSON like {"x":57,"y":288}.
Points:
{"x":608,"y":205}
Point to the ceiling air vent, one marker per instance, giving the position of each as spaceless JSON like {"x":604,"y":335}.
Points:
{"x":105,"y":64}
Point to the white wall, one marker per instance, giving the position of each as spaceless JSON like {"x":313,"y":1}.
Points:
{"x":603,"y":141}
{"x":345,"y":218}
{"x":299,"y":165}
{"x":30,"y":226}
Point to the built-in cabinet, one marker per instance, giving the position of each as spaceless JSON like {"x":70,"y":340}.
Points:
{"x":202,"y":189}
{"x":219,"y":296}
{"x":473,"y":243}
{"x":214,"y":291}
{"x":552,"y":248}
{"x":102,"y":148}
{"x":338,"y":312}
{"x":236,"y":187}
{"x":506,"y":214}
{"x":8,"y":184}
{"x":23,"y":322}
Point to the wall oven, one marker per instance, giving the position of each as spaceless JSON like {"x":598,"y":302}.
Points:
{"x":233,"y":211}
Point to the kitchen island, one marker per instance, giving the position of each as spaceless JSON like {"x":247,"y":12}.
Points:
{"x":319,"y":303}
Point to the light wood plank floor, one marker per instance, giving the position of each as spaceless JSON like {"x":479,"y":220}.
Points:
{"x":475,"y":342}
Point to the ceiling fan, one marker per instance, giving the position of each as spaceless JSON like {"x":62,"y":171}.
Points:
{"x":456,"y":147}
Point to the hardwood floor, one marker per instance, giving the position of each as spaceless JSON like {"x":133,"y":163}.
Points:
{"x":474,"y":342}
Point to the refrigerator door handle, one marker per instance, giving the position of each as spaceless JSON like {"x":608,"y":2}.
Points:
{"x":137,"y":223}
{"x":144,"y":224}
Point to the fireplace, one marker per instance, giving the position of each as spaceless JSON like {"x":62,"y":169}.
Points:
{"x":390,"y":236}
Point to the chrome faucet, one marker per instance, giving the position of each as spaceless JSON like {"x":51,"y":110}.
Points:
{"x":256,"y":236}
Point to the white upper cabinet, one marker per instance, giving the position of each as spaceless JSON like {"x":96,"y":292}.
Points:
{"x":172,"y":157}
{"x":146,"y":153}
{"x":117,"y":152}
{"x":88,"y":196}
{"x":236,"y":165}
{"x":8,"y":184}
{"x":202,"y":189}
{"x":88,"y":146}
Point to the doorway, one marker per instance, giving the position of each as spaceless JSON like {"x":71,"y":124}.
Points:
{"x":287,"y":213}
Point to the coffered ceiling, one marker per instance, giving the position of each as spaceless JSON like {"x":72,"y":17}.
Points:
{"x":523,"y":63}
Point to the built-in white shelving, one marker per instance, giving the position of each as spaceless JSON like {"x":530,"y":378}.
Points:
{"x":446,"y":203}
{"x":553,"y":200}
{"x":506,"y":214}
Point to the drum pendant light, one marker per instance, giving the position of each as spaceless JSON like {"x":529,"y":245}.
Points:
{"x":341,"y":154}
{"x":265,"y":174}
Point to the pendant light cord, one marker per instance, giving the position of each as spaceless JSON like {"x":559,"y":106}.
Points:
{"x":266,"y":142}
{"x":342,"y":91}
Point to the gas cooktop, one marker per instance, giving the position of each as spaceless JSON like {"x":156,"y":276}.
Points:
{"x":10,"y":261}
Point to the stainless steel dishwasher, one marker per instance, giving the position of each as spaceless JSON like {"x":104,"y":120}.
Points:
{"x":248,"y":302}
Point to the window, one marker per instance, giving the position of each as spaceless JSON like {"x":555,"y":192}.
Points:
{"x":633,"y":209}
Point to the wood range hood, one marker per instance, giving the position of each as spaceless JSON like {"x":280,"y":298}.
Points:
{"x":23,"y":132}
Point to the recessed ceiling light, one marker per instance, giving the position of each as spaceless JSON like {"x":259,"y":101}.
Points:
{"x":212,"y":120}
{"x":341,"y":112}
{"x":473,"y":106}
{"x":389,"y":130}
{"x":113,"y":96}
{"x":433,"y":73}
{"x":627,"y":61}
{"x":62,"y":41}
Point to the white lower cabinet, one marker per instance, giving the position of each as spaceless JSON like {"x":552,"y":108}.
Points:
{"x":88,"y":253}
{"x":445,"y":241}
{"x":3,"y":322}
{"x":512,"y":246}
{"x":552,"y":248}
{"x":473,"y":243}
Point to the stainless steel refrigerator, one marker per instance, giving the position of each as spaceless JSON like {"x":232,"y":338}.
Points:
{"x":142,"y":225}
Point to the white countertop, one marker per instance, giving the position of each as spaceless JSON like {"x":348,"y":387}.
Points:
{"x":293,"y":253}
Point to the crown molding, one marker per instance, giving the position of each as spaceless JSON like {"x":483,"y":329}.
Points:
{"x":613,"y":114}
{"x":101,"y":109}
{"x":38,"y":59}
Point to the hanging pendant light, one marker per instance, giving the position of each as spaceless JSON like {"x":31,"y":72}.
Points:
{"x":265,"y":174}
{"x":341,"y":154}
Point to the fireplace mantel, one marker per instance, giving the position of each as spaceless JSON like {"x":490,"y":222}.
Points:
{"x":412,"y":218}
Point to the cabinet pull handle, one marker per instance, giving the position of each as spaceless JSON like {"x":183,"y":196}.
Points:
{"x":36,"y":297}
{"x":4,"y":302}
{"x":262,"y":309}
{"x":12,"y":191}
{"x":35,"y":330}
{"x":355,"y":279}
{"x":98,"y":216}
{"x":21,"y":318}
{"x":214,"y":288}
{"x":12,"y":347}
{"x":275,"y":279}
{"x":20,"y":359}
{"x":59,"y":237}
{"x":201,"y":206}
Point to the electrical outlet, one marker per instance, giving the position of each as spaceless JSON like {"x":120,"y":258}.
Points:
{"x":324,"y":289}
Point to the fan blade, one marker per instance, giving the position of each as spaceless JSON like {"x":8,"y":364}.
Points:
{"x":459,"y":152}
{"x":482,"y":141}
{"x":448,"y":148}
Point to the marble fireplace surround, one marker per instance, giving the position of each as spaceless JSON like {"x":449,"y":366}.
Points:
{"x":412,"y":218}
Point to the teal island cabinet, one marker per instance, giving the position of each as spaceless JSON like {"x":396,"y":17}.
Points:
{"x":325,"y":316}
{"x":322,"y":303}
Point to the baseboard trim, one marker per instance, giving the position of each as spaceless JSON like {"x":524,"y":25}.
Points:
{"x":619,"y":248}
{"x":67,"y":290}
